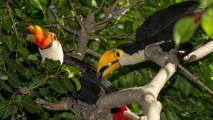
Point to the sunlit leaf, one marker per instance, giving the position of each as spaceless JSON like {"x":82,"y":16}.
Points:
{"x":207,"y":22}
{"x":183,"y":34}
{"x":30,"y":38}
{"x":77,"y":83}
{"x":37,"y":4}
{"x":71,"y":70}
{"x":32,"y":57}
{"x":205,"y":3}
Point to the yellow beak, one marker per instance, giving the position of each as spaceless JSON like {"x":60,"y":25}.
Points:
{"x":108,"y":57}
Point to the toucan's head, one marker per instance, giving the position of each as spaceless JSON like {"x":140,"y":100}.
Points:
{"x":49,"y":46}
{"x":125,"y":54}
{"x":43,"y":38}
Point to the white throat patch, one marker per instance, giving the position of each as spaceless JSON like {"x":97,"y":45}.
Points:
{"x":135,"y":58}
{"x":55,"y":52}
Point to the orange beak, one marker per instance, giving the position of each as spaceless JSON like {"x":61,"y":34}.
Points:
{"x":42,"y":36}
{"x":108,"y":57}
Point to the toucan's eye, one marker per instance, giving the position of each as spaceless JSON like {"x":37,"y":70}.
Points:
{"x":117,"y":54}
{"x":54,"y":37}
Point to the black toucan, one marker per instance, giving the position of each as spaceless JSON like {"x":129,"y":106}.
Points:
{"x":157,"y":29}
{"x":93,"y":85}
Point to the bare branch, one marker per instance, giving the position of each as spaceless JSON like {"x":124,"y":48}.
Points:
{"x":120,"y":36}
{"x":154,"y":53}
{"x":199,"y":53}
{"x":11,"y":17}
{"x":91,"y":52}
{"x":79,"y":108}
{"x":111,"y":14}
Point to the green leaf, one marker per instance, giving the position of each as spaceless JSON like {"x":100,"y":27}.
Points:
{"x":7,"y":23}
{"x":18,"y":12}
{"x":70,"y":70}
{"x":5,"y":86}
{"x":11,"y":42}
{"x":24,"y":71}
{"x":37,"y":4}
{"x":94,"y":45}
{"x":207,"y":22}
{"x":58,"y":86}
{"x":23,"y":52}
{"x":163,"y":116}
{"x":13,"y":79}
{"x":5,"y":110}
{"x":77,"y":83}
{"x":182,"y":84}
{"x":205,"y":3}
{"x":30,"y":38}
{"x":170,"y":115}
{"x":43,"y":91}
{"x":68,"y":84}
{"x":184,"y":29}
{"x":29,"y":104}
{"x":32,"y":57}
{"x":51,"y":65}
{"x":38,"y":81}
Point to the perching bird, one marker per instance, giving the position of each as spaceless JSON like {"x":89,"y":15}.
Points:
{"x":93,"y":85}
{"x":157,"y":29}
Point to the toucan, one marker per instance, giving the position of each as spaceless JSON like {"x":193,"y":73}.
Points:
{"x":157,"y":29}
{"x":93,"y":85}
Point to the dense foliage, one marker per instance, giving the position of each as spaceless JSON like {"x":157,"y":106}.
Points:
{"x":23,"y":78}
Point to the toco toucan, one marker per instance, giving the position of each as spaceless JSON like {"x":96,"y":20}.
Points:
{"x":157,"y":29}
{"x":93,"y":85}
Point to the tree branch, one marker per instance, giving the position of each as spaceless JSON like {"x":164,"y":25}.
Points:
{"x":80,"y":23}
{"x":199,"y":53}
{"x":11,"y":17}
{"x":91,"y":52}
{"x":80,"y":109}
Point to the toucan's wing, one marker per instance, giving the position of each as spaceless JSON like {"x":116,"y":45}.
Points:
{"x":159,"y":26}
{"x":92,"y":84}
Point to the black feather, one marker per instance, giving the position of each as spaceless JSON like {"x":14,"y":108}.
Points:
{"x":159,"y":27}
{"x":92,"y":84}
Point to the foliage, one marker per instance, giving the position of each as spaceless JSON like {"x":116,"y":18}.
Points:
{"x":20,"y":65}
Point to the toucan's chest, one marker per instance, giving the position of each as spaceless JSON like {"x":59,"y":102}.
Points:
{"x":54,"y":52}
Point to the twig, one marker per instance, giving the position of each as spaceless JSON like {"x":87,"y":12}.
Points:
{"x":91,"y":52}
{"x":14,"y":23}
{"x":56,"y":16}
{"x":121,"y":36}
{"x":194,"y":78}
{"x":80,"y":23}
{"x":111,"y":14}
